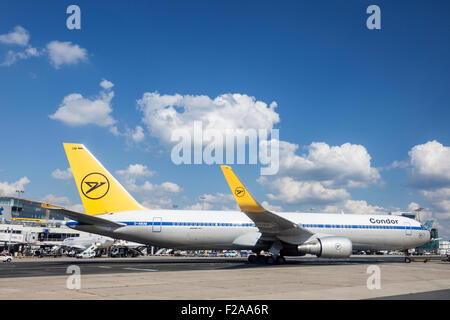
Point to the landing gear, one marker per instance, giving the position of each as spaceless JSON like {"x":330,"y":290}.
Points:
{"x":262,"y":259}
{"x":252,"y":258}
{"x":280,"y":260}
{"x":269,"y":260}
{"x":259,"y":259}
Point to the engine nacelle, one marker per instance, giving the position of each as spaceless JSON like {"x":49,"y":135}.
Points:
{"x":328,"y":247}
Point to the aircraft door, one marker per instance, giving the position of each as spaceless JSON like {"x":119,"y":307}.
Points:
{"x":157,"y":224}
{"x":407,"y":228}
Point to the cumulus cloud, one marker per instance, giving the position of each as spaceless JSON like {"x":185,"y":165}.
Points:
{"x":76,"y":207}
{"x":218,"y":201}
{"x":321,"y":174}
{"x":439,"y":200}
{"x":430,"y":165}
{"x":75,"y":110}
{"x":59,"y":53}
{"x":135,"y":171}
{"x":163,"y":114}
{"x":13,"y":56}
{"x":153,"y":195}
{"x":266,"y":205}
{"x":158,"y":203}
{"x":105,"y":84}
{"x":63,"y":174}
{"x":356,"y":207}
{"x":200,"y":206}
{"x":9,"y":189}
{"x":138,"y":134}
{"x":65,"y":53}
{"x":18,"y":36}
{"x":292,"y":191}
{"x":429,"y":172}
{"x":348,"y":165}
{"x":55,"y":200}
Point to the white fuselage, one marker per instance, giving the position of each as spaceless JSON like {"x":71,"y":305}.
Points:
{"x":187,"y":229}
{"x":82,"y":243}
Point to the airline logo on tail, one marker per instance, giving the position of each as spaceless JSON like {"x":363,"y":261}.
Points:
{"x":100,"y":192}
{"x":239,"y":192}
{"x":95,"y":186}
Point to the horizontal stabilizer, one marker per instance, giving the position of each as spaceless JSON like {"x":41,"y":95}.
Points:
{"x":83,"y":218}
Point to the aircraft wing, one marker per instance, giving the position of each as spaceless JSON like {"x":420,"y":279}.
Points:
{"x":267,"y":222}
{"x":83,"y":218}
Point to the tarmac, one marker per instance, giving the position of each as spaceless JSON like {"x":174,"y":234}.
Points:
{"x":187,"y":278}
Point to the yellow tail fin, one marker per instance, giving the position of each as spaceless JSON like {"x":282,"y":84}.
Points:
{"x":100,"y":192}
{"x":242,"y":196}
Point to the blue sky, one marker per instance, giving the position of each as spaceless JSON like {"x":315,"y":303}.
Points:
{"x":334,"y":81}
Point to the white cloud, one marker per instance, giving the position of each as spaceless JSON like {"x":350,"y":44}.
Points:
{"x":150,"y":192}
{"x":75,"y":110}
{"x":105,"y":84}
{"x":439,"y":200}
{"x":55,"y":200}
{"x":348,"y":165}
{"x":218,"y":201}
{"x":321,"y":175}
{"x":413,"y":206}
{"x":134,"y":171}
{"x":158,"y":203}
{"x":218,"y":198}
{"x":430,"y":165}
{"x":77,"y":208}
{"x":396,"y":164}
{"x":63,"y":174}
{"x":9,"y":189}
{"x":165,"y":113}
{"x":13,"y":56}
{"x":61,"y":53}
{"x":138,"y":134}
{"x":355,"y":206}
{"x":429,"y":172}
{"x":200,"y":206}
{"x":271,"y":207}
{"x":438,"y":194}
{"x":292,"y":191}
{"x":19,"y":36}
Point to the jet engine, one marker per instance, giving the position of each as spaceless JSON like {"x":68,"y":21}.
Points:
{"x":328,"y":247}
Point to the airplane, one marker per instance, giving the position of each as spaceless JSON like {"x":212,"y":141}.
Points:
{"x":83,"y":243}
{"x":111,"y":211}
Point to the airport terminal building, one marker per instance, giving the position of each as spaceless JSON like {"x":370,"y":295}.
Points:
{"x":27,"y":223}
{"x":12,"y":209}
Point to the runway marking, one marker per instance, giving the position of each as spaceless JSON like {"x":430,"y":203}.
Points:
{"x":106,"y":267}
{"x":138,"y":269}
